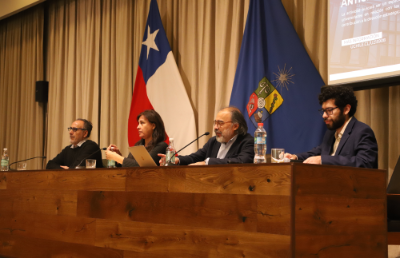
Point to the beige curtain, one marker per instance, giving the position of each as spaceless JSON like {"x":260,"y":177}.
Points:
{"x":94,"y":48}
{"x":117,"y":73}
{"x":73,"y":69}
{"x":380,"y":108}
{"x":21,"y":65}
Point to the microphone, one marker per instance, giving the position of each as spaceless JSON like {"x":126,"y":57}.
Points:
{"x":206,"y":133}
{"x":43,"y":157}
{"x":90,"y":155}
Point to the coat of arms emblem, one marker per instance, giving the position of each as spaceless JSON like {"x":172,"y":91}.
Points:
{"x":263,"y":102}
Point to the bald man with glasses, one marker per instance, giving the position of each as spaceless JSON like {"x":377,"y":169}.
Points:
{"x":80,"y":149}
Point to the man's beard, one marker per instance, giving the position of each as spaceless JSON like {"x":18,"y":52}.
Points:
{"x":222,"y":138}
{"x":219,"y":138}
{"x":339,"y":122}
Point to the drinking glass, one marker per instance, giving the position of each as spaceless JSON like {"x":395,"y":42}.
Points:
{"x":277,"y":155}
{"x":90,"y":163}
{"x":21,"y":165}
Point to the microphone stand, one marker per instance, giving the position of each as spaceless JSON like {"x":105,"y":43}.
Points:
{"x":167,"y":161}
{"x":43,"y":157}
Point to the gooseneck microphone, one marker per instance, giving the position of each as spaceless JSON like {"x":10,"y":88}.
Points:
{"x":89,"y":156}
{"x":206,"y":133}
{"x":43,"y":157}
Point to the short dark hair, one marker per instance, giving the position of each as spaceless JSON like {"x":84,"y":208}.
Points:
{"x":86,"y":125}
{"x":342,"y":95}
{"x":158,"y":132}
{"x":238,"y":118}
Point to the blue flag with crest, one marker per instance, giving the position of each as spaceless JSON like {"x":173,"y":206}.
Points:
{"x":276,"y":82}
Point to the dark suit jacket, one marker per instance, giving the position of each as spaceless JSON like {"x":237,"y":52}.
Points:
{"x":241,"y":151}
{"x":77,"y":156}
{"x":357,"y":148}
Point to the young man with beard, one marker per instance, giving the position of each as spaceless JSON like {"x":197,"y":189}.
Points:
{"x":80,"y":149}
{"x":232,"y":143}
{"x":348,"y":142}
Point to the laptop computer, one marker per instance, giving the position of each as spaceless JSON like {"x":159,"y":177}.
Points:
{"x":142,"y":156}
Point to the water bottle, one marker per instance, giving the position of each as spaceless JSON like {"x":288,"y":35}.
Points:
{"x":111,"y":163}
{"x":260,"y":144}
{"x":5,"y":160}
{"x":170,"y":153}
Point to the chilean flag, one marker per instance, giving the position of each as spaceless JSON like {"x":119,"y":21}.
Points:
{"x":159,"y":86}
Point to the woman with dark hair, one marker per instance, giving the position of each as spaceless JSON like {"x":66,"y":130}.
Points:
{"x":152,"y":133}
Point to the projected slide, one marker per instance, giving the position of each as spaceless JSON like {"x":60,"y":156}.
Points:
{"x":363,"y":40}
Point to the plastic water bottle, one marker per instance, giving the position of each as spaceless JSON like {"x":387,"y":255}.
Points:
{"x":260,"y":144}
{"x":170,"y":153}
{"x":111,"y":163}
{"x":5,"y":160}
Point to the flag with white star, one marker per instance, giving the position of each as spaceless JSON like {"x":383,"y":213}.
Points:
{"x":276,"y":82}
{"x":159,"y":86}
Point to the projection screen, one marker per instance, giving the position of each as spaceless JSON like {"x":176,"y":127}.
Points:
{"x":364,"y":43}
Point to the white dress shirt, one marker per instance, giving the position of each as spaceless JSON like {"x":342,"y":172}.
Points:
{"x":224,"y":148}
{"x":338,"y":137}
{"x":78,"y":145}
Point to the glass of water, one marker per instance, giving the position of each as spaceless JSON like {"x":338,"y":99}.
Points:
{"x":277,"y":155}
{"x":90,"y":163}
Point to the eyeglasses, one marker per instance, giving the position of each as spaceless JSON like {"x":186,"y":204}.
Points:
{"x":328,"y":111}
{"x":75,"y":129}
{"x":220,"y":123}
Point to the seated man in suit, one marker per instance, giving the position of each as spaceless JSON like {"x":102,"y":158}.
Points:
{"x":232,"y":143}
{"x":80,"y":149}
{"x":348,"y":142}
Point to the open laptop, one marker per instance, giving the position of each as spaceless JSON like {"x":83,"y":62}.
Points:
{"x":142,"y":156}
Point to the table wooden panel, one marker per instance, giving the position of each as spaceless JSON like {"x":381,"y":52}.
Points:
{"x":270,"y":210}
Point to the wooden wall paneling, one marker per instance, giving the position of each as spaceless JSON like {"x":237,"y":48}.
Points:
{"x":140,"y":239}
{"x":339,"y":211}
{"x":222,"y":211}
{"x":31,"y":201}
{"x":3,"y":180}
{"x":274,"y":214}
{"x":343,"y":246}
{"x":213,"y":211}
{"x":59,"y":228}
{"x":156,"y":179}
{"x":29,"y":247}
{"x":240,"y":179}
{"x":339,"y":181}
{"x":233,"y":179}
{"x":107,"y":179}
{"x":393,"y":238}
{"x":328,"y":215}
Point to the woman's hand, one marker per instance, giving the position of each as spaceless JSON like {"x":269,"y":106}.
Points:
{"x":115,"y":149}
{"x":111,"y":155}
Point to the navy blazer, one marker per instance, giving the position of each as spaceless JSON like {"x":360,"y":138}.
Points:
{"x":241,"y":151}
{"x":357,"y":148}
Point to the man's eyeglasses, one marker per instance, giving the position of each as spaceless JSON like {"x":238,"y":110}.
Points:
{"x":328,"y":111}
{"x":220,"y":123}
{"x":75,"y":129}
